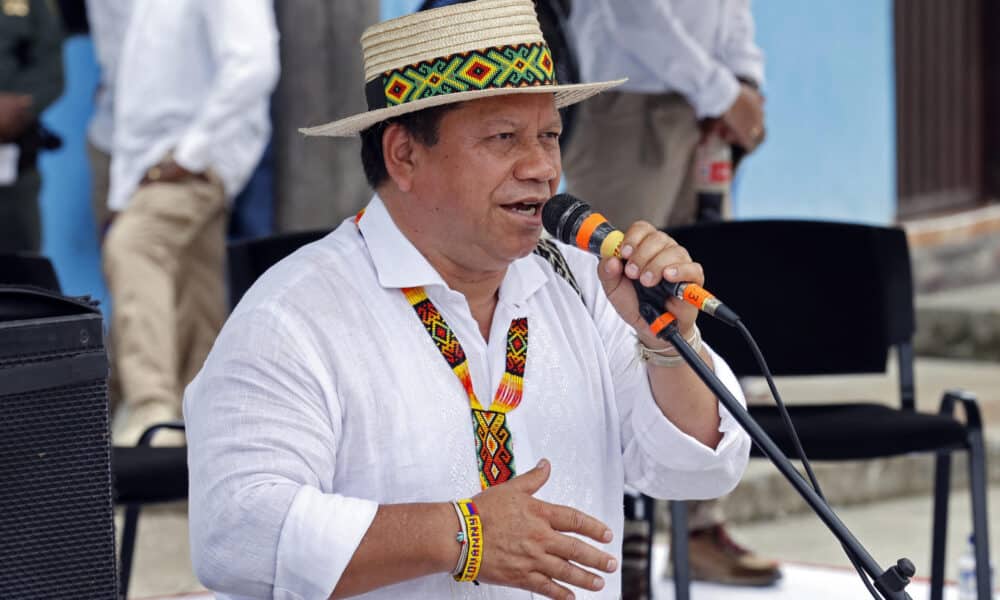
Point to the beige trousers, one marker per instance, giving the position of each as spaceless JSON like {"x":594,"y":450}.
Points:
{"x":631,"y":157}
{"x":164,"y":260}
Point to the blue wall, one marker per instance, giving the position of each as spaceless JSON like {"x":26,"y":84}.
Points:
{"x":68,"y":223}
{"x":395,"y":8}
{"x":830,"y":151}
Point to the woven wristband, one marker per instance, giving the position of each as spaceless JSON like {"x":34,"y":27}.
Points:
{"x":668,"y":357}
{"x":473,"y":540}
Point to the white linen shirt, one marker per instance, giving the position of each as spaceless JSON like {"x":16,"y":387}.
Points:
{"x":696,"y":48}
{"x":194,"y":78}
{"x":324,"y":397}
{"x":108,"y":21}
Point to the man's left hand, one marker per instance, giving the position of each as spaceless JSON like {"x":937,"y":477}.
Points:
{"x":649,"y":256}
{"x":169,"y":171}
{"x":15,"y":115}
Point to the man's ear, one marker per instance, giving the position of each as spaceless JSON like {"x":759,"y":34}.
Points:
{"x":397,"y":152}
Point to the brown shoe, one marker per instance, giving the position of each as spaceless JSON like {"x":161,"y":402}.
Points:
{"x":715,"y":557}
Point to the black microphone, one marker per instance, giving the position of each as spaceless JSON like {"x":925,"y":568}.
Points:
{"x":570,"y":220}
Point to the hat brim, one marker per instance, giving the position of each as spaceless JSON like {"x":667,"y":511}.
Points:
{"x":565,"y":95}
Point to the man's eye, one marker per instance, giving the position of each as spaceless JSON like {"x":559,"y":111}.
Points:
{"x":507,"y":135}
{"x":554,"y":135}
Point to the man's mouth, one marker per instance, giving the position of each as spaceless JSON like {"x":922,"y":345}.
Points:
{"x":527,"y":209}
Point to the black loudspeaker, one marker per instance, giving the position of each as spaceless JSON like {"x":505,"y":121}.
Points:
{"x":57,"y":536}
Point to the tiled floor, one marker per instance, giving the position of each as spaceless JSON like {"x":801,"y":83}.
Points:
{"x":799,"y":582}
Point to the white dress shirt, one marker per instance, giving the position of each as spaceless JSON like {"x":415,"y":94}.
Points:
{"x":108,"y":21}
{"x":696,"y":48}
{"x":194,"y":78}
{"x":324,"y":397}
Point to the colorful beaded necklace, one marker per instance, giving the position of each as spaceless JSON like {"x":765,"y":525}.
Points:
{"x":494,"y":445}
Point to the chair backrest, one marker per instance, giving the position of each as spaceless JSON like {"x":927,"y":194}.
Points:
{"x":819,"y":297}
{"x":25,"y":269}
{"x":248,"y":259}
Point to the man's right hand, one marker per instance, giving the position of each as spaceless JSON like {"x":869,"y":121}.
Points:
{"x":525,"y":541}
{"x":15,"y":115}
{"x":745,"y":118}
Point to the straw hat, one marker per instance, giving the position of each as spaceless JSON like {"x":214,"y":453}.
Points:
{"x":454,"y":54}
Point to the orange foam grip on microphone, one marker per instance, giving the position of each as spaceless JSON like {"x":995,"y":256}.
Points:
{"x":587,"y":228}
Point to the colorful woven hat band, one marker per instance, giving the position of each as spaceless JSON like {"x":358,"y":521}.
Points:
{"x":458,"y":53}
{"x":511,"y":66}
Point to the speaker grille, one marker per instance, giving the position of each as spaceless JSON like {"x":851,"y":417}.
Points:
{"x":56,"y":517}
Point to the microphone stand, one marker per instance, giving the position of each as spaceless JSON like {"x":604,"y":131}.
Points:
{"x":891,"y":583}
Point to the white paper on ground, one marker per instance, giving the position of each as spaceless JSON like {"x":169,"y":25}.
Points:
{"x":9,"y":154}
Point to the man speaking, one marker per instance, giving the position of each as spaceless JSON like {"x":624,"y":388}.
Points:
{"x":417,"y":406}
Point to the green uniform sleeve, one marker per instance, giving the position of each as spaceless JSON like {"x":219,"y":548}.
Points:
{"x":43,"y":78}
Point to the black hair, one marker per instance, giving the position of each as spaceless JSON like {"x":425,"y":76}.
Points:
{"x":422,"y":125}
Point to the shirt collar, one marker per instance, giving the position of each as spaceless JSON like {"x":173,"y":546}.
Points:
{"x":398,"y":263}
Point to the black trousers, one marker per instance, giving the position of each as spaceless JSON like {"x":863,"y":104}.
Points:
{"x":20,"y":220}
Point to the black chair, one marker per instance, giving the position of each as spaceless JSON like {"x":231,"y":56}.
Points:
{"x":144,"y":474}
{"x":248,"y":259}
{"x":827,"y":298}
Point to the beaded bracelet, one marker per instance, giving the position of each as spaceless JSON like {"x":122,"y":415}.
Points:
{"x":472,"y":531}
{"x":668,"y":357}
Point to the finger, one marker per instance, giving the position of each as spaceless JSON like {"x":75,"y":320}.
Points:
{"x":655,"y":252}
{"x":634,"y":236}
{"x":571,"y":520}
{"x":671,"y":256}
{"x":544,"y":586}
{"x":533,"y":480}
{"x":744,"y":138}
{"x":690,"y":272}
{"x":576,"y":550}
{"x":564,"y":571}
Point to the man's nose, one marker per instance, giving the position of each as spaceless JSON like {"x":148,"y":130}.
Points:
{"x":538,"y":163}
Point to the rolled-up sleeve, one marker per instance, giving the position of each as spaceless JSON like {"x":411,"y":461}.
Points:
{"x":244,"y":40}
{"x":651,"y":34}
{"x":262,"y":428}
{"x":664,"y":462}
{"x":738,"y":50}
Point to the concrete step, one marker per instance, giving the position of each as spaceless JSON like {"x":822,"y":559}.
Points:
{"x":765,"y":494}
{"x":962,"y":323}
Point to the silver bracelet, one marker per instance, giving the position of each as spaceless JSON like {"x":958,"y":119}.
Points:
{"x":668,"y":357}
{"x":462,"y":537}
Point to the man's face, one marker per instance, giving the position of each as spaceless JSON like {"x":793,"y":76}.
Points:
{"x":481,"y":187}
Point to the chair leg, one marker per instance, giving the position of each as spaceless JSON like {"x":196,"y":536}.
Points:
{"x":128,"y":548}
{"x":942,"y":489}
{"x":649,"y":506}
{"x":977,"y":484}
{"x":679,"y":550}
{"x":980,"y":523}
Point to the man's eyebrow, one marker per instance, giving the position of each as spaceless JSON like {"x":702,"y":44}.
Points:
{"x":555,"y":123}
